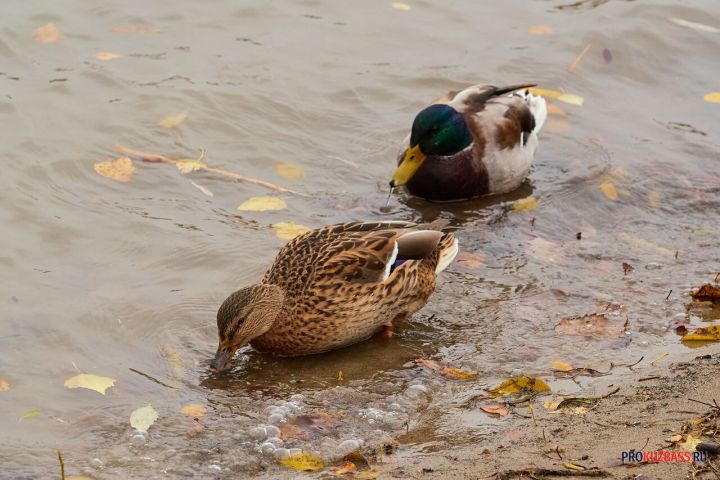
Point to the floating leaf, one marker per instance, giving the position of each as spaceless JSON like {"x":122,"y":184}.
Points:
{"x":175,"y":362}
{"x":193,"y":410}
{"x":700,"y":27}
{"x":400,"y":6}
{"x":706,"y":334}
{"x":594,"y":325}
{"x":32,"y":413}
{"x":555,"y":110}
{"x":204,"y":190}
{"x":520,"y":385}
{"x":562,"y":366}
{"x":367,"y":475}
{"x":4,"y":385}
{"x":540,"y":30}
{"x":526,"y":204}
{"x":644,"y":244}
{"x":290,"y":171}
{"x":495,"y":409}
{"x":303,"y":461}
{"x":444,"y":369}
{"x":713,"y":97}
{"x":105,"y":56}
{"x":569,"y":98}
{"x":262,"y":204}
{"x":706,"y":293}
{"x":174,"y":121}
{"x":136,"y":29}
{"x":120,"y":169}
{"x":91,"y":382}
{"x":307,"y":427}
{"x":654,"y":199}
{"x":470,"y":260}
{"x":47,"y":34}
{"x":608,"y":188}
{"x":345,"y":468}
{"x":142,"y":418}
{"x":289,"y":230}
{"x":187,"y":166}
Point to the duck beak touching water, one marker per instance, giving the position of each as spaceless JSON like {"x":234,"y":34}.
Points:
{"x":413,"y":160}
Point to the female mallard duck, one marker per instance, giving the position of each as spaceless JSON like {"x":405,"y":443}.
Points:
{"x":333,"y":287}
{"x":474,"y":142}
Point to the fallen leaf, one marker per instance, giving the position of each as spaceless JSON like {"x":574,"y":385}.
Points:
{"x":495,"y":409}
{"x":289,"y":230}
{"x":175,"y":362}
{"x":675,"y":438}
{"x":706,"y":293}
{"x":520,"y":385}
{"x":689,"y":443}
{"x":91,"y":382}
{"x":47,"y":34}
{"x":552,"y":404}
{"x":136,"y":29}
{"x":193,"y":410}
{"x":204,"y":190}
{"x":572,"y":466}
{"x":540,"y":30}
{"x":526,"y":204}
{"x":32,"y":413}
{"x":627,"y":268}
{"x":262,"y":204}
{"x":700,"y":27}
{"x":142,"y":418}
{"x":174,"y":121}
{"x":654,"y":199}
{"x":562,"y":366}
{"x":713,"y":97}
{"x":586,"y":371}
{"x":555,"y":110}
{"x":444,"y":369}
{"x":4,"y":385}
{"x":400,"y":6}
{"x":608,"y":188}
{"x":345,"y":468}
{"x":303,"y":461}
{"x":644,"y":244}
{"x":290,"y":171}
{"x":308,"y":427}
{"x":469,"y":260}
{"x":105,"y":56}
{"x":568,"y":98}
{"x":187,"y":166}
{"x":121,"y":169}
{"x":594,"y":325}
{"x":368,"y":475}
{"x":706,"y":334}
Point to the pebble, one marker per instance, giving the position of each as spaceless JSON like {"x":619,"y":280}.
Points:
{"x":96,"y":462}
{"x":138,"y":439}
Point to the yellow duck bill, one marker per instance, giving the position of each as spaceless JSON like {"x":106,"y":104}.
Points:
{"x":410,"y":164}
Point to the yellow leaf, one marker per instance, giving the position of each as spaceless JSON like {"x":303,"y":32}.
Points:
{"x":713,"y":97}
{"x":367,"y":474}
{"x":91,"y":382}
{"x":571,"y":99}
{"x":526,"y":204}
{"x":289,"y":230}
{"x":555,"y":110}
{"x":193,"y":410}
{"x":47,"y":34}
{"x":572,"y":466}
{"x":262,"y":204}
{"x":552,"y":405}
{"x":105,"y":56}
{"x":142,"y":418}
{"x":700,"y":27}
{"x":654,"y":199}
{"x":303,"y":461}
{"x":520,"y":384}
{"x":557,"y":95}
{"x":289,"y":171}
{"x":175,"y":362}
{"x":540,"y":30}
{"x":609,"y":190}
{"x":707,"y":334}
{"x":174,"y":121}
{"x":689,"y":443}
{"x":120,"y":169}
{"x":642,"y":243}
{"x":187,"y":166}
{"x":400,"y":6}
{"x":444,"y":369}
{"x":562,"y":366}
{"x":34,"y":412}
{"x":4,"y":385}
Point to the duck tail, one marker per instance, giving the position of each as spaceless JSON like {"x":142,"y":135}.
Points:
{"x":448,"y":248}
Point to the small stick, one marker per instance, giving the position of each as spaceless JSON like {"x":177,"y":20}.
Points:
{"x":580,"y":56}
{"x":152,"y":378}
{"x":668,"y":295}
{"x":704,"y":403}
{"x":62,"y":466}
{"x":652,"y":377}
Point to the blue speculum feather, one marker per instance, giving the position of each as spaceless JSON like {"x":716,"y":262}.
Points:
{"x":397,"y":263}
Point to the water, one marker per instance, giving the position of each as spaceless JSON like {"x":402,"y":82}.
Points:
{"x":102,"y":277}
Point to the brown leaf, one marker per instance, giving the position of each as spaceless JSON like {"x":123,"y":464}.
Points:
{"x":555,"y":110}
{"x":495,"y":409}
{"x":594,"y":325}
{"x":470,"y":260}
{"x":444,"y":369}
{"x":47,"y":34}
{"x":4,"y":385}
{"x":121,"y":169}
{"x":706,"y":293}
{"x":345,"y":468}
{"x":540,"y":30}
{"x":307,"y":427}
{"x":627,"y":268}
{"x":105,"y":56}
{"x":706,"y":334}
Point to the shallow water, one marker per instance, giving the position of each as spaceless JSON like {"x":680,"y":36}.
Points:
{"x":102,"y":277}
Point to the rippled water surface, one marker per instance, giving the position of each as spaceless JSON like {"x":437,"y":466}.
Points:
{"x":115,"y":278}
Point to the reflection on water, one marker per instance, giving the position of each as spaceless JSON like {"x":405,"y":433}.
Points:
{"x":123,"y":279}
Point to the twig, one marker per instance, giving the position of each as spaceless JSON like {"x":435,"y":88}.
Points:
{"x":547,"y":472}
{"x":628,"y":366}
{"x":651,"y":377}
{"x":608,"y":394}
{"x":152,"y":157}
{"x":705,"y":403}
{"x":668,"y":295}
{"x":152,"y":378}
{"x":574,"y":64}
{"x":62,"y":466}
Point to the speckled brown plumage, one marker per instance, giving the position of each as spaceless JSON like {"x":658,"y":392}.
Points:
{"x":335,"y":287}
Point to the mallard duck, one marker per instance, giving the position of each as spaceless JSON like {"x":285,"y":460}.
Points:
{"x":333,"y":287}
{"x":474,"y":142}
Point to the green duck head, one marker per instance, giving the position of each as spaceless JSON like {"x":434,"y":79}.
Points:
{"x":437,"y":130}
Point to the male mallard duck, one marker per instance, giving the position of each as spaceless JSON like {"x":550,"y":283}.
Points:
{"x":333,"y":287}
{"x":474,"y":142}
